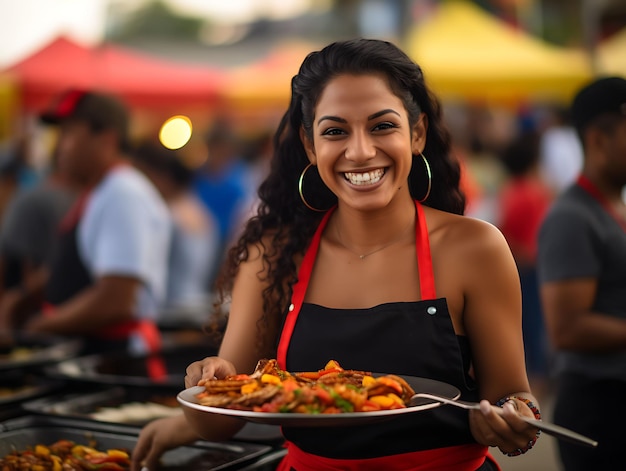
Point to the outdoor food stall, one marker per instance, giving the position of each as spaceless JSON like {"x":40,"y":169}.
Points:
{"x":59,"y":407}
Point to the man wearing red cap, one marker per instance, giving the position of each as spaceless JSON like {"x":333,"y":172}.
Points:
{"x":109,"y":274}
{"x":582,"y":269}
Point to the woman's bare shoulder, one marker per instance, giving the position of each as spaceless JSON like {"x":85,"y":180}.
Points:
{"x":458,"y":233}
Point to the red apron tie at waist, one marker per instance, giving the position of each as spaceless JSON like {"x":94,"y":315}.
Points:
{"x":146,"y":329}
{"x":149,"y":333}
{"x":455,"y":458}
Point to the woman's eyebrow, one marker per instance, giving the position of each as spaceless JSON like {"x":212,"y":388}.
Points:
{"x":369,"y":118}
{"x":381,"y":113}
{"x":331,"y":118}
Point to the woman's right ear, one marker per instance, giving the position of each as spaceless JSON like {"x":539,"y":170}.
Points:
{"x":308,"y":146}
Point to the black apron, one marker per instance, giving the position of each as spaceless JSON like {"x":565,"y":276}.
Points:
{"x":69,"y":276}
{"x":404,"y":338}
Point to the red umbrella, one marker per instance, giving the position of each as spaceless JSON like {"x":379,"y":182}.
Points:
{"x":139,"y":79}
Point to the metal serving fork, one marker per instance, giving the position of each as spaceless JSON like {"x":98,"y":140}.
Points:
{"x":547,"y":427}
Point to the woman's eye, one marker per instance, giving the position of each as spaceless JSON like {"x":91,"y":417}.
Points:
{"x":332,"y":132}
{"x":384,"y":126}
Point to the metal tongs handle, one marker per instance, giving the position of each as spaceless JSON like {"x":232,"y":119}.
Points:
{"x":547,"y":427}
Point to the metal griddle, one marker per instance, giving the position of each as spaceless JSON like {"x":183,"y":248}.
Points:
{"x":27,"y":431}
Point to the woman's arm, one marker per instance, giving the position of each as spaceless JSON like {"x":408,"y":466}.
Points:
{"x":492,"y":318}
{"x":573,"y":324}
{"x":239,"y":352}
{"x":241,"y":347}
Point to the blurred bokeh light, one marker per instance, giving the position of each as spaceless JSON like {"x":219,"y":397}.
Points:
{"x":176,"y":132}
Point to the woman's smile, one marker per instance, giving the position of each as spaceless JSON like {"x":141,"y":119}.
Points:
{"x":362,"y":141}
{"x":365,"y":178}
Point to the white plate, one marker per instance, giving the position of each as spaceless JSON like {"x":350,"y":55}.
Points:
{"x":188,"y":399}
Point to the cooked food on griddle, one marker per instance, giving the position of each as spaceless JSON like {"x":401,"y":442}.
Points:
{"x":65,"y":455}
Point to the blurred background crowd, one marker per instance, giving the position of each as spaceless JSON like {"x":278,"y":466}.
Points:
{"x":206,"y":83}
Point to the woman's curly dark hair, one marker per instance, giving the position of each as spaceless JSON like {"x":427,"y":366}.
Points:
{"x":282,"y":216}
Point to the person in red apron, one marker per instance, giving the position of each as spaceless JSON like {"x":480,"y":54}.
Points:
{"x":111,"y":257}
{"x":359,"y":253}
{"x":69,"y":277}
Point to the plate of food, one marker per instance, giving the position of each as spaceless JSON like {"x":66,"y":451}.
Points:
{"x":329,"y":397}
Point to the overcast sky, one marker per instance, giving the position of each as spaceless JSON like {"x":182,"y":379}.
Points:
{"x":26,"y":25}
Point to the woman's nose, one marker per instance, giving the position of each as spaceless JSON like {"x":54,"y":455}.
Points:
{"x":360,"y":147}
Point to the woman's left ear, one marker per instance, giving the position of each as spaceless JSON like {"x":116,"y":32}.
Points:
{"x":308,"y":146}
{"x":418,"y":134}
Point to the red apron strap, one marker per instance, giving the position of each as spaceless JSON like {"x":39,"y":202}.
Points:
{"x":74,"y":214}
{"x":596,"y":194}
{"x":468,"y":457}
{"x":151,"y":336}
{"x":424,"y":260}
{"x":299,"y":290}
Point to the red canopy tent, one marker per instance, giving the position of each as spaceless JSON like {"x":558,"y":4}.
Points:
{"x":142,"y":81}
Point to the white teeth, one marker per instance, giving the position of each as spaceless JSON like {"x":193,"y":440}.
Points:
{"x":365,"y":178}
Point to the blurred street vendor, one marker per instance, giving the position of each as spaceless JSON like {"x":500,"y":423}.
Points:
{"x":109,"y":273}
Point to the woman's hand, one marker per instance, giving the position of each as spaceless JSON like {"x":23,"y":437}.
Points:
{"x":208,"y":368}
{"x":159,"y":436}
{"x":502,"y":427}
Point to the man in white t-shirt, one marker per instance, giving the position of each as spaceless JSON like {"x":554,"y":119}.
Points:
{"x":109,"y":274}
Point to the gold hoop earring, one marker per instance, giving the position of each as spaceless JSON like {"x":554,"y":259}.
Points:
{"x":430,"y":178}
{"x":301,"y":184}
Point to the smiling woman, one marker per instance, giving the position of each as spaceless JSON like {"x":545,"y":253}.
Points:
{"x":387,"y":275}
{"x":362,"y":147}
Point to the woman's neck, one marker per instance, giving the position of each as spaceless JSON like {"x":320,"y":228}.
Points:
{"x":367,"y":232}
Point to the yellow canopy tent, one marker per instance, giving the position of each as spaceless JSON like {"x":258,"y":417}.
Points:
{"x":268,"y":80}
{"x":8,"y":108}
{"x":466,"y":53}
{"x":258,"y":93}
{"x":611,"y":55}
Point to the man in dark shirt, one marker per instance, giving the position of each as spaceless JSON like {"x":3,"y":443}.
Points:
{"x":582,"y":270}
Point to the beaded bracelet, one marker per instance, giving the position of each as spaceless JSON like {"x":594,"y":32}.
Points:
{"x":535,"y":410}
